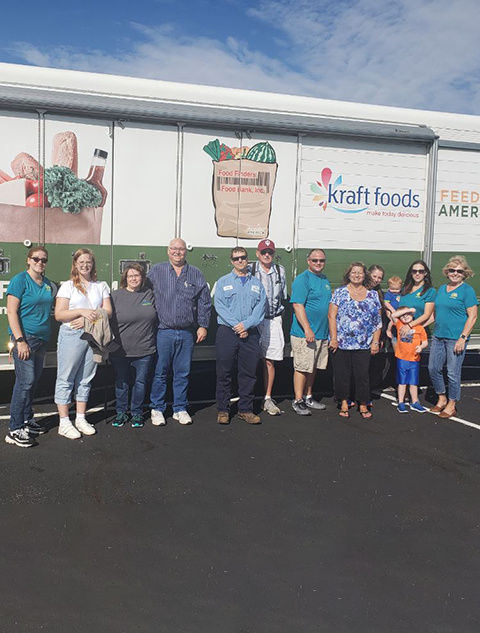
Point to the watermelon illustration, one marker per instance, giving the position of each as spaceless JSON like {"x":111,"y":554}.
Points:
{"x":262,"y":153}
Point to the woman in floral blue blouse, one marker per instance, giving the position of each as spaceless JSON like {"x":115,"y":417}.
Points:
{"x":354,"y":320}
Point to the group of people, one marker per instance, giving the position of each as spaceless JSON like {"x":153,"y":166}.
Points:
{"x":153,"y":321}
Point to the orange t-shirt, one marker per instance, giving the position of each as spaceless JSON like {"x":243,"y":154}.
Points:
{"x":405,"y":349}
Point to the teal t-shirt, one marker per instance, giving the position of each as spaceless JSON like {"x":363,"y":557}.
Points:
{"x":417,"y":300}
{"x":314,"y":292}
{"x":451,"y":310}
{"x":35,"y":304}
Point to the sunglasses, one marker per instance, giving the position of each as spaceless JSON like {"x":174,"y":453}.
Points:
{"x":459,"y":271}
{"x":318,"y":261}
{"x":44,"y":260}
{"x":267,"y":252}
{"x":240,"y":258}
{"x":418,"y":271}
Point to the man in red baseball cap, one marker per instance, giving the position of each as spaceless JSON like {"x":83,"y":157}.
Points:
{"x":272,"y":341}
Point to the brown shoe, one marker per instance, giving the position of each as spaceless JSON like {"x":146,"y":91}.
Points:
{"x":249,"y":417}
{"x":223,"y":417}
{"x":437,"y":409}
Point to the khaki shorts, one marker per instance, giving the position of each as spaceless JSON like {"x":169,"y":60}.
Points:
{"x":307,"y":356}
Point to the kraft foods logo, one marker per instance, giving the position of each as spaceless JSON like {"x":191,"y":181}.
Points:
{"x":332,"y":193}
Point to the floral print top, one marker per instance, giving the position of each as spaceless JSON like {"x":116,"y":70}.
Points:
{"x":356,"y":320}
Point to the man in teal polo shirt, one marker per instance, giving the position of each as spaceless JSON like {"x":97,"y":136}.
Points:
{"x":310,"y":297}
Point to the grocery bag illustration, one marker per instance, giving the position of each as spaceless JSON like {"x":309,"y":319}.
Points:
{"x":73,"y":206}
{"x":242,"y":188}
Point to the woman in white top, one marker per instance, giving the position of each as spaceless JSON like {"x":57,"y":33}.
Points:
{"x":77,"y":300}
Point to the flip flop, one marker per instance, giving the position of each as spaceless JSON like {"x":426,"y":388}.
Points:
{"x":366,"y":415}
{"x":344,"y":414}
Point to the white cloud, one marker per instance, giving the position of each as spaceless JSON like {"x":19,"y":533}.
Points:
{"x":412,"y":53}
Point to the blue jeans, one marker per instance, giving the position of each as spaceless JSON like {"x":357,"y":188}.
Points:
{"x":441,"y":350}
{"x":175,"y":351}
{"x":27,"y":374}
{"x":75,"y":366}
{"x":131,"y":372}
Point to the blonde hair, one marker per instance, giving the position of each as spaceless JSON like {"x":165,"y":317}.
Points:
{"x":75,"y":275}
{"x":458,"y":260}
{"x":395,"y":280}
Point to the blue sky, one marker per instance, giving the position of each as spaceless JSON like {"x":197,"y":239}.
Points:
{"x":410,"y":53}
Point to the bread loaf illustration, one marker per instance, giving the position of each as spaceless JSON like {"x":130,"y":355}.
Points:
{"x":65,"y":151}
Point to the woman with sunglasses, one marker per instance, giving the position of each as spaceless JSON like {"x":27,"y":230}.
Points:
{"x":78,"y":300}
{"x":418,"y":293}
{"x":456,"y":309}
{"x":30,"y":298}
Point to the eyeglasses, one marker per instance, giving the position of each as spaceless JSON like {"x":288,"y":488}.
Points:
{"x":177,"y":250}
{"x":418,"y":271}
{"x":134,"y":276}
{"x":318,"y":261}
{"x":240,"y":258}
{"x":43,"y":260}
{"x":267,"y":252}
{"x":459,"y":271}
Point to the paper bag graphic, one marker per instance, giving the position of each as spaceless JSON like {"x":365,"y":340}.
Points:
{"x":242,"y":188}
{"x":19,"y":223}
{"x":242,"y":195}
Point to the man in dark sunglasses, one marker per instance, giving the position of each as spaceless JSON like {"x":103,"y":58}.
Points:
{"x":311,"y":294}
{"x":240,"y":306}
{"x":272,"y":341}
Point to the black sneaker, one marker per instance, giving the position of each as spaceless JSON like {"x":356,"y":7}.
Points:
{"x":20,"y":437}
{"x":120,"y":420}
{"x":34,"y":428}
{"x":300,"y":407}
{"x":137,"y":421}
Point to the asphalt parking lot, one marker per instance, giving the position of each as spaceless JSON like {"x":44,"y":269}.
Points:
{"x":299,"y":524}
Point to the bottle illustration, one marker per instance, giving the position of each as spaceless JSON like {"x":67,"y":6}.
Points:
{"x":96,"y":172}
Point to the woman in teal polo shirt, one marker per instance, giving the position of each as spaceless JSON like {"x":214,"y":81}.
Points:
{"x":418,"y":293}
{"x":30,"y":298}
{"x":455,"y":315}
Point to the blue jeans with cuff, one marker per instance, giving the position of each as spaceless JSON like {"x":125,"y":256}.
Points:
{"x":441,"y":351}
{"x":27,"y":374}
{"x":75,"y":366}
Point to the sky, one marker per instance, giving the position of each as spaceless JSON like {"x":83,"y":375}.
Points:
{"x":409,"y":53}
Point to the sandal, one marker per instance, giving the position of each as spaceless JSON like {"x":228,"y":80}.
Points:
{"x":344,"y":413}
{"x":366,"y":415}
{"x":446,"y":416}
{"x":437,"y":409}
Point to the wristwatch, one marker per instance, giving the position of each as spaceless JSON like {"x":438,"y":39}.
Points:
{"x":463,"y":336}
{"x":20,"y":339}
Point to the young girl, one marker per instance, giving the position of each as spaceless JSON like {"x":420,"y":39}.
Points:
{"x":77,"y":300}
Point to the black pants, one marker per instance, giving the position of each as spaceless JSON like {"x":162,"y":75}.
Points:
{"x":241,"y":355}
{"x":352,"y":362}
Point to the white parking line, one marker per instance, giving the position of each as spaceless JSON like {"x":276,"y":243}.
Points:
{"x":465,"y":422}
{"x":48,"y":414}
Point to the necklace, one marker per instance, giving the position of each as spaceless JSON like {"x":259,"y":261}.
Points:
{"x":357,"y":292}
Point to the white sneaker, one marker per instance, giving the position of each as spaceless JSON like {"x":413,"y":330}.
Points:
{"x":69,"y":431}
{"x":85,"y":427}
{"x":158,"y":419}
{"x":182,"y":417}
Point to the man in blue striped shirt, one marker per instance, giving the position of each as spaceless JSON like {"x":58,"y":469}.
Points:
{"x":240,"y":305}
{"x":183,"y":305}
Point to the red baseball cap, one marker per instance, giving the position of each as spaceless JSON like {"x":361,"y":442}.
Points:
{"x":266,"y":244}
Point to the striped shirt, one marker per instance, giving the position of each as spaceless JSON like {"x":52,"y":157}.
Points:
{"x":275,"y":286}
{"x":181,"y":301}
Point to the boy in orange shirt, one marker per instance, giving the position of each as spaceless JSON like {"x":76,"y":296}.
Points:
{"x":407,"y":352}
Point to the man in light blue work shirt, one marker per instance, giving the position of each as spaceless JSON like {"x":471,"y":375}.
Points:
{"x":240,"y":306}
